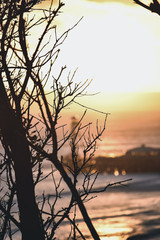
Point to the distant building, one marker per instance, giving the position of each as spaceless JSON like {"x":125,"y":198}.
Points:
{"x":74,"y":122}
{"x":142,"y":159}
{"x":143,"y":151}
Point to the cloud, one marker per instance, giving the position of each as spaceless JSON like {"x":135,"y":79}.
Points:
{"x":127,"y":2}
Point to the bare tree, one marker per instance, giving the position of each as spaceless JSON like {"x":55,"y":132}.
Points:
{"x":30,"y":129}
{"x":27,"y":138}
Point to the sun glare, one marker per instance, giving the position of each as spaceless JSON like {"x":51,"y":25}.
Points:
{"x":115,"y":47}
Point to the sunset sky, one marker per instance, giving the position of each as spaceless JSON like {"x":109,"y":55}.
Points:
{"x":117,"y":43}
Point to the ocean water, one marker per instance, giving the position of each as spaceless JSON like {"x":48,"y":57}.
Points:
{"x":125,"y":131}
{"x":129,"y":211}
{"x":116,"y":141}
{"x":123,"y":212}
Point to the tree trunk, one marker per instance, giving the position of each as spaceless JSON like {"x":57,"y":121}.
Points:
{"x":14,"y":136}
{"x":76,"y":195}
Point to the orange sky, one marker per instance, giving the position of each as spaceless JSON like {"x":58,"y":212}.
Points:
{"x":117,"y":44}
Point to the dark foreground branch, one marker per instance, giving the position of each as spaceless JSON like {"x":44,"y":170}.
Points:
{"x":153,"y":7}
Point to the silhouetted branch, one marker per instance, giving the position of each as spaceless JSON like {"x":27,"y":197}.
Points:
{"x":154,"y":6}
{"x":30,"y":132}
